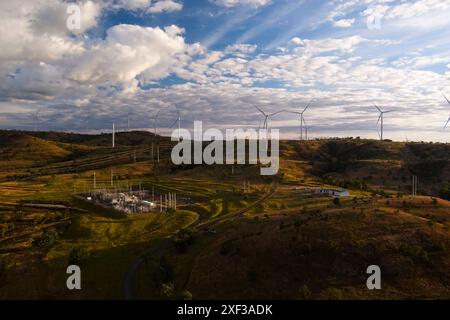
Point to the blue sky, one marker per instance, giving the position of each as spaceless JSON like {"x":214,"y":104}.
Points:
{"x":215,"y":60}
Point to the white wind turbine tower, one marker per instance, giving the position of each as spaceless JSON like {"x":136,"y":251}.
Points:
{"x":267,"y":116}
{"x":381,"y":120}
{"x":448,"y":121}
{"x":302,"y":120}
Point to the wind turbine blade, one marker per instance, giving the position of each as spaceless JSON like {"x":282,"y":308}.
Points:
{"x":379,"y":118}
{"x":306,"y":108}
{"x":377,"y":107}
{"x":446,"y":98}
{"x":446,"y":125}
{"x":274,"y":114}
{"x":260,"y":110}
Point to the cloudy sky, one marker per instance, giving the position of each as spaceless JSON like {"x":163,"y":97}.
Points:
{"x":215,"y":60}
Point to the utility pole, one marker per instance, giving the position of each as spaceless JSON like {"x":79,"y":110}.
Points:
{"x":95,"y":182}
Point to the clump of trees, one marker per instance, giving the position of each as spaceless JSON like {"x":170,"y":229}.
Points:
{"x":183,"y":240}
{"x":48,"y":238}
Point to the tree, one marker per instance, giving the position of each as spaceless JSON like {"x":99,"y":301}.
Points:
{"x":337,"y":201}
{"x":183,"y":240}
{"x":445,"y":192}
{"x":167,"y":291}
{"x":186,"y":295}
{"x":49,"y":237}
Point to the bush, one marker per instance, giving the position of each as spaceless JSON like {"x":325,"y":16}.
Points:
{"x":167,"y":291}
{"x":49,"y":237}
{"x":186,"y":295}
{"x":331,"y":294}
{"x":304,"y":292}
{"x":183,"y":240}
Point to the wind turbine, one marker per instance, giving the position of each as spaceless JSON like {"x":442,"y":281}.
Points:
{"x":155,"y":118}
{"x":267,"y":116}
{"x":179,"y":124}
{"x":448,"y":121}
{"x":302,"y":120}
{"x":381,"y":120}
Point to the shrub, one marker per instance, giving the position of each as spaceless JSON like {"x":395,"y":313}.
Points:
{"x":49,"y":237}
{"x":186,"y":295}
{"x":331,"y":294}
{"x":183,"y":240}
{"x":167,"y":291}
{"x":304,"y":292}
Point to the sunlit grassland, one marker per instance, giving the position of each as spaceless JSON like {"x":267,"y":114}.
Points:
{"x":112,"y":243}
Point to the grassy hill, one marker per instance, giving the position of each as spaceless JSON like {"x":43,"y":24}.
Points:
{"x":240,"y":235}
{"x":318,"y":253}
